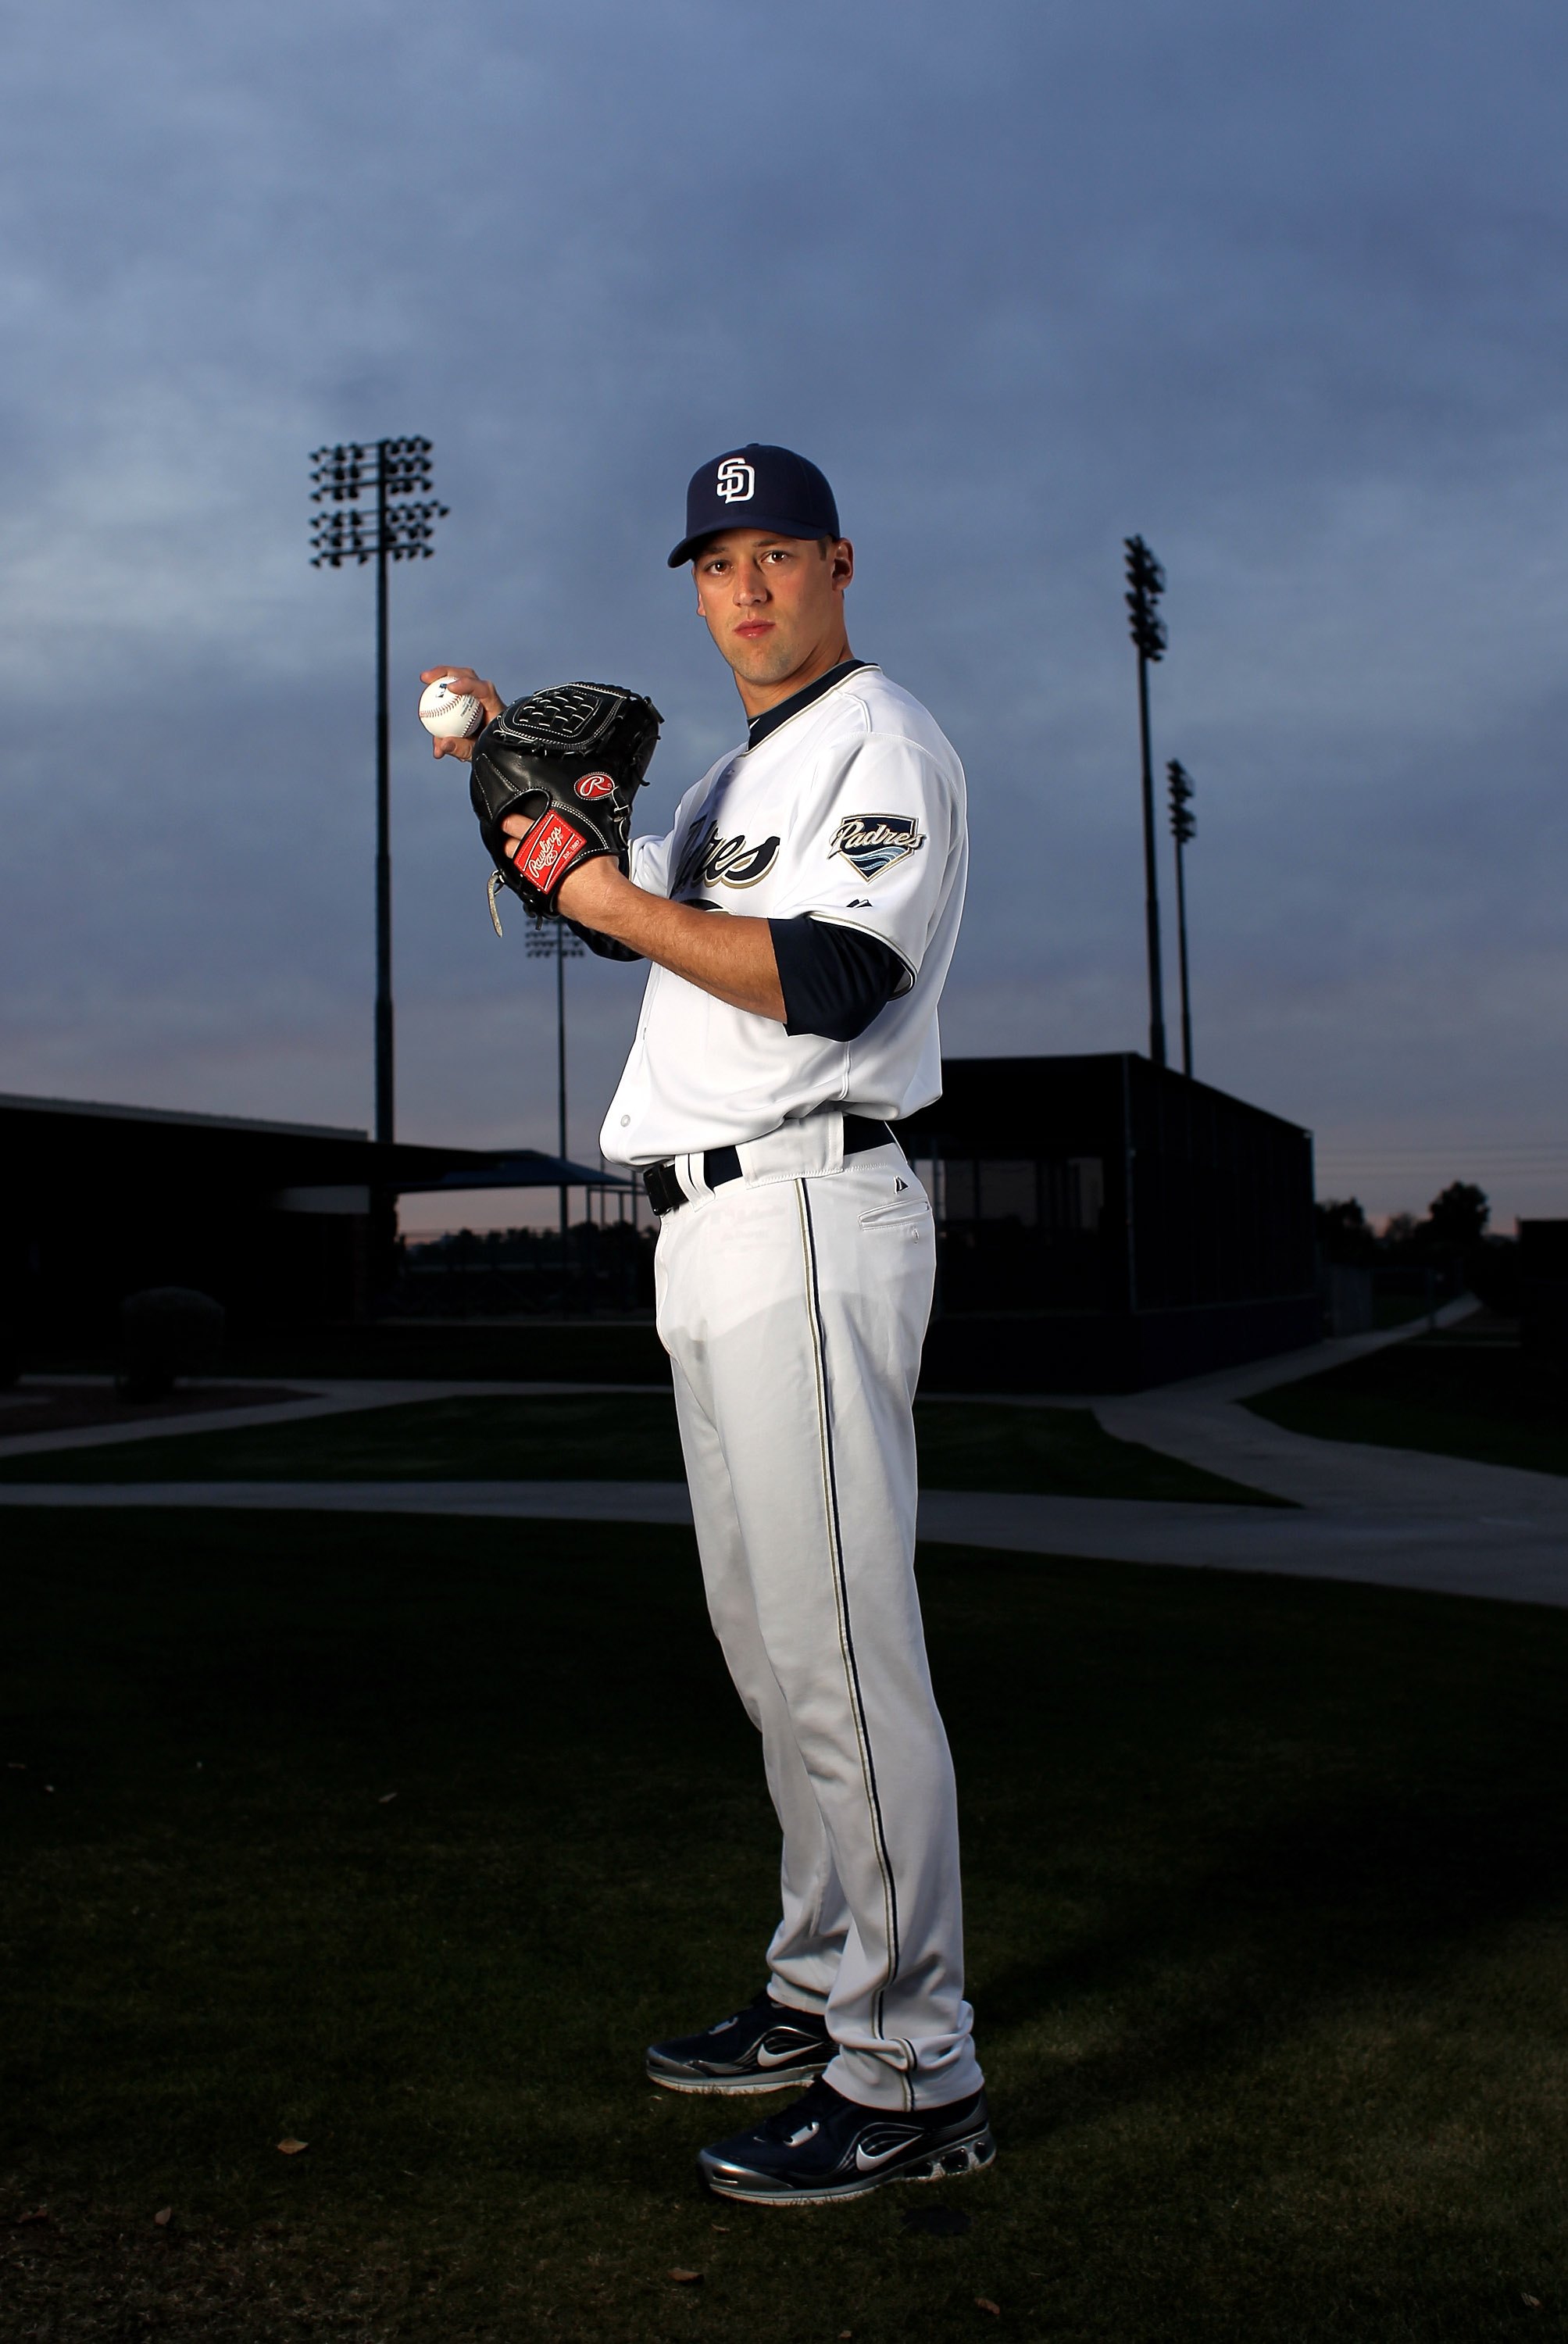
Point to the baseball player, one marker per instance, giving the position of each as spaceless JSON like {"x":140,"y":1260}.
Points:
{"x":800,"y":917}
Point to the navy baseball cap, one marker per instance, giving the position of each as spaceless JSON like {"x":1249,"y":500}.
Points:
{"x":756,"y":487}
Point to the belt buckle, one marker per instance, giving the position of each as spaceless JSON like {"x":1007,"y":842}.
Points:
{"x":665,"y":1193}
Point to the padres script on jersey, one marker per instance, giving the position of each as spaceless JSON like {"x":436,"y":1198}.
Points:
{"x":852,"y":811}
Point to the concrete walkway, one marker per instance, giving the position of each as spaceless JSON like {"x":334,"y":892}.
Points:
{"x":1395,"y":1518}
{"x":1203,"y":1421}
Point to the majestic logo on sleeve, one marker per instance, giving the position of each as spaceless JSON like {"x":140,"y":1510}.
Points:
{"x":736,"y":482}
{"x":710,"y":860}
{"x":873,"y":841}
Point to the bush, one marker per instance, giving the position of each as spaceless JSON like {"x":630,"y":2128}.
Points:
{"x":166,"y":1332}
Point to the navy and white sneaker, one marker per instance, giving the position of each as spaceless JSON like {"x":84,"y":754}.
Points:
{"x":826,"y":2147}
{"x":766,"y":2047}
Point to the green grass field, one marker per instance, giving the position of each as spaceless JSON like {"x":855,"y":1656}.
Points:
{"x":630,"y":1437}
{"x":400,"y":1838}
{"x":1449,"y":1393}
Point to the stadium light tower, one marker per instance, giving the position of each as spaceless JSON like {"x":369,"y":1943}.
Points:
{"x":1145,"y":585}
{"x":396,"y":522}
{"x":561,"y":946}
{"x":1183,"y":827}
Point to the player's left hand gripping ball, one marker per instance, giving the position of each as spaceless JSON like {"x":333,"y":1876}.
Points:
{"x":569,"y":760}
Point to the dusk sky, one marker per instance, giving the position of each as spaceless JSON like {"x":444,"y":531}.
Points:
{"x":1284,"y":289}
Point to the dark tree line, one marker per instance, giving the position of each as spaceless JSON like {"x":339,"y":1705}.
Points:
{"x":1452,"y":1237}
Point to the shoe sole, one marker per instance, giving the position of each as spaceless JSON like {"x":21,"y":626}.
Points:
{"x":948,"y":2164}
{"x":778,"y":2079}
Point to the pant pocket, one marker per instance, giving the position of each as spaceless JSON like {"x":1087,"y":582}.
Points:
{"x":903,"y":1212}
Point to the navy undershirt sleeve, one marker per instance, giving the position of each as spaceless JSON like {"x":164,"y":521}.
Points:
{"x":833,"y":980}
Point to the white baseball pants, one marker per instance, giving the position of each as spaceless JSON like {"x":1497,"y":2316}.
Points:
{"x":792,"y":1303}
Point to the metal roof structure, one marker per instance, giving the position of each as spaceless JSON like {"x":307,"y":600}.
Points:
{"x":325,"y":1154}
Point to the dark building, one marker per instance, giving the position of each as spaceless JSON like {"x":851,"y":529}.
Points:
{"x":279,"y":1222}
{"x":1544,"y":1289}
{"x":1105,"y":1223}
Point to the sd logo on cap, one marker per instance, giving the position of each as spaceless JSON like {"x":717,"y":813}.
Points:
{"x":757,"y":487}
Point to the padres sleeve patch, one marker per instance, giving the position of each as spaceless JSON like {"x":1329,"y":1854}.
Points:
{"x":873,"y":840}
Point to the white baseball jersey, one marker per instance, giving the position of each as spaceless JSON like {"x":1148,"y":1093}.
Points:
{"x":852,"y":811}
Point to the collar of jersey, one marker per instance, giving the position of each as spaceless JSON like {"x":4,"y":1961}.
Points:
{"x":771,"y":718}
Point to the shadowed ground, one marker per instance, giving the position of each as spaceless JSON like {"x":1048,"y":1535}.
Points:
{"x":1267,"y":1905}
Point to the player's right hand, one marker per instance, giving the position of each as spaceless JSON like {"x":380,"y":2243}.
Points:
{"x":464,"y":679}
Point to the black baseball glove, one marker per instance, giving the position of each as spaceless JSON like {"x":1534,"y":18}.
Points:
{"x":570,"y":760}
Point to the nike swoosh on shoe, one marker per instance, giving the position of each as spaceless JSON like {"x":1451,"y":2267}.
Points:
{"x":868,"y":2161}
{"x":828,"y":2148}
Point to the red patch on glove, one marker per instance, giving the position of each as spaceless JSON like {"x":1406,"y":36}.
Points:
{"x":548,"y":851}
{"x":594,"y":785}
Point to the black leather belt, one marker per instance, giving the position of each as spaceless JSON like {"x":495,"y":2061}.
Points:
{"x":666,"y":1195}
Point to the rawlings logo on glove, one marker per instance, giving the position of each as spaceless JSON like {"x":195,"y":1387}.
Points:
{"x":569,"y":759}
{"x":550,"y":843}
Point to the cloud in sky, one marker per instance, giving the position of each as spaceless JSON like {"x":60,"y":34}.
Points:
{"x":1283,"y":290}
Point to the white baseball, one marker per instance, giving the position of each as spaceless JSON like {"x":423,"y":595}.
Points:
{"x":449,"y":716}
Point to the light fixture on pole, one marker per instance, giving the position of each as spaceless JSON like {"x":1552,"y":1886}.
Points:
{"x":1146,"y":584}
{"x":397,"y":526}
{"x":550,"y":938}
{"x":1183,"y":828}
